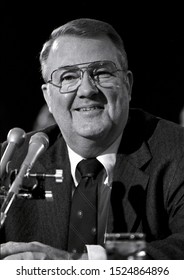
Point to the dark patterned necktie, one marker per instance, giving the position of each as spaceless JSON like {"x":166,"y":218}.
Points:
{"x":83,"y":217}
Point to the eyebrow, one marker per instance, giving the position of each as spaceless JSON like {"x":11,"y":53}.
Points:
{"x":90,"y":62}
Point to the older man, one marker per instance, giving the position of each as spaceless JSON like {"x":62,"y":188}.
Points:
{"x":140,"y":185}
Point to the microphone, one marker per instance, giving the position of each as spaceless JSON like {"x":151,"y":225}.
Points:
{"x":15,"y":138}
{"x":38,"y":143}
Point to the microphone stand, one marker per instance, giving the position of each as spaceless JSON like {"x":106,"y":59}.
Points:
{"x":37,"y":192}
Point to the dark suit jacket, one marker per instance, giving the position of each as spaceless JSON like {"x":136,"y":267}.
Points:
{"x":147,"y":193}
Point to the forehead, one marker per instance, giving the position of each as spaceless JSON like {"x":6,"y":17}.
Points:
{"x":69,"y":50}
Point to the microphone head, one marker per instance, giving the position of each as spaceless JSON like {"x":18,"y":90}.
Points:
{"x":38,"y":144}
{"x":16,"y":135}
{"x":40,"y":138}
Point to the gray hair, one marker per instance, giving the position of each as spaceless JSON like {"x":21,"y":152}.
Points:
{"x":84,"y":27}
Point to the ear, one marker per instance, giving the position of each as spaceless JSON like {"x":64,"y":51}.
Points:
{"x":129,"y":83}
{"x":47,"y":97}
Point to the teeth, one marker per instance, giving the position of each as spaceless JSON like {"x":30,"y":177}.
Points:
{"x":88,"y":109}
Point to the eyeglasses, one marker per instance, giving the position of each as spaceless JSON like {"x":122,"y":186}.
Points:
{"x":69,"y":78}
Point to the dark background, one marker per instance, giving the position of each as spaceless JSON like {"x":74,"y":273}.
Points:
{"x":153,"y":38}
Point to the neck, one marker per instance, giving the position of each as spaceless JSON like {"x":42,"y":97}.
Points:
{"x":88,"y":150}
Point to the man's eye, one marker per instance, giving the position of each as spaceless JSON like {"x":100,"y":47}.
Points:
{"x":103,"y":74}
{"x":68,"y":77}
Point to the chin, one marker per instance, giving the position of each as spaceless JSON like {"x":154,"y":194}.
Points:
{"x":93,"y":135}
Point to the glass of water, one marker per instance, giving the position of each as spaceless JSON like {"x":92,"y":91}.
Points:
{"x":125,"y":246}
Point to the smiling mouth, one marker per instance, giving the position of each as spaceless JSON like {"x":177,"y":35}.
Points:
{"x":87,"y":109}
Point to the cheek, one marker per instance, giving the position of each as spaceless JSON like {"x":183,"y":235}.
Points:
{"x":118,"y":102}
{"x":61,"y":114}
{"x":60,"y":104}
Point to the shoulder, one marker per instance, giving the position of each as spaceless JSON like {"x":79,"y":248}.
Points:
{"x":157,"y":133}
{"x":160,"y":127}
{"x":52,"y":132}
{"x":169,"y":137}
{"x":56,"y":142}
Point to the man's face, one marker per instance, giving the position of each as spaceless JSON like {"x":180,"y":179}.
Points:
{"x":91,"y":113}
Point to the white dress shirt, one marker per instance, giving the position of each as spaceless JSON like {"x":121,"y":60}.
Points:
{"x":108,"y":160}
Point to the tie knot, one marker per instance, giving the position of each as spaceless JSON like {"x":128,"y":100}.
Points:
{"x":89,"y":167}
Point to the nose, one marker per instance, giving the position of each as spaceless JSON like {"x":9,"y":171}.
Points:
{"x":87,"y":87}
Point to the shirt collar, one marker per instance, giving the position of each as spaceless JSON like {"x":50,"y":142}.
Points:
{"x":107,"y":158}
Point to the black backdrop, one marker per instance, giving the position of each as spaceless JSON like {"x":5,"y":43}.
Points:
{"x":154,"y":41}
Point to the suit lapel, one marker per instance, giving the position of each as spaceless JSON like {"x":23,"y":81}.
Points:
{"x":128,"y":191}
{"x":55,"y":215}
{"x":128,"y":195}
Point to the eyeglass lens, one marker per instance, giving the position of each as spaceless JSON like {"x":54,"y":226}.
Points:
{"x":69,"y":78}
